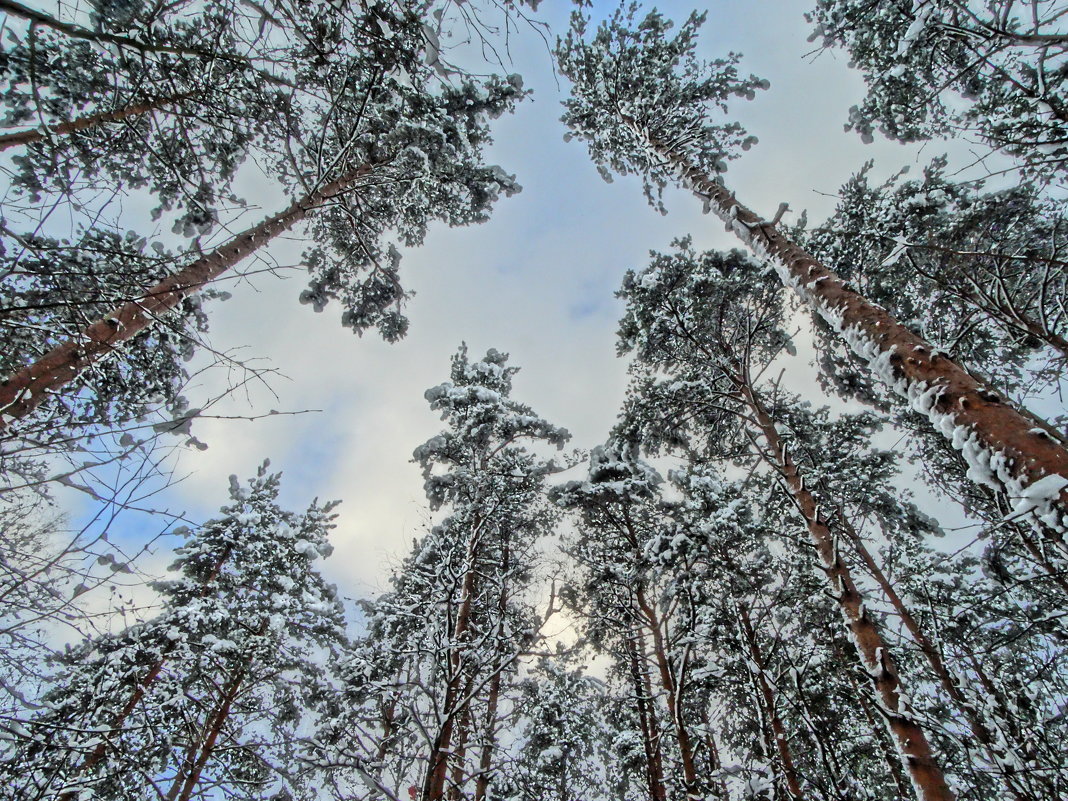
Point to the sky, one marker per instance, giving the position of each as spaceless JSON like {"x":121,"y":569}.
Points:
{"x":537,"y":281}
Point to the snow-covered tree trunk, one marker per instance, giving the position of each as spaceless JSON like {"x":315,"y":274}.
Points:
{"x":912,"y":743}
{"x":214,"y":729}
{"x":671,"y":690}
{"x":454,"y":705}
{"x":1006,"y":448}
{"x":879,"y":733}
{"x":715,"y":761}
{"x":100,"y":751}
{"x":489,"y":739}
{"x":983,"y":735}
{"x":642,"y":688}
{"x":645,"y":105}
{"x":21,"y":392}
{"x":489,"y":732}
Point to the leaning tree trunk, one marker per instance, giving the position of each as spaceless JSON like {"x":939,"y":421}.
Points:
{"x":1006,"y":448}
{"x":215,"y":727}
{"x":26,"y":389}
{"x":912,"y":744}
{"x":1000,"y":759}
{"x":886,"y":747}
{"x":31,"y":135}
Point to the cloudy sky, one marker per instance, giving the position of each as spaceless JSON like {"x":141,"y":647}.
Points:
{"x":537,"y":281}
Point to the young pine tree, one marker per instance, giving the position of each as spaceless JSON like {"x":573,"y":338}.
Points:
{"x":214,"y":690}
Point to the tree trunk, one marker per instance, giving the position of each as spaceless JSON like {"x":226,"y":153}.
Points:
{"x":654,"y":772}
{"x":32,"y":135}
{"x":458,"y":755}
{"x":1006,"y":448}
{"x":674,"y":702}
{"x":438,"y":759}
{"x":1016,"y":788}
{"x":912,"y":743}
{"x":489,"y":733}
{"x":893,"y":761}
{"x":25,"y":389}
{"x":489,"y":739}
{"x":143,"y":686}
{"x":214,"y":730}
{"x":778,"y":730}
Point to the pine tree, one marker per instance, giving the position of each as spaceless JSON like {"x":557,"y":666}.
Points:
{"x":435,"y":674}
{"x":373,"y":156}
{"x":942,"y":67}
{"x":641,"y":100}
{"x":708,"y":320}
{"x":213,"y":690}
{"x":977,"y":274}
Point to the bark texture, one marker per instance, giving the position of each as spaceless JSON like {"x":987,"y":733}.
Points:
{"x":778,"y":730}
{"x":999,"y":759}
{"x":32,"y":135}
{"x":23,"y":391}
{"x":912,"y":744}
{"x":438,"y":761}
{"x":1007,"y":448}
{"x":654,"y":769}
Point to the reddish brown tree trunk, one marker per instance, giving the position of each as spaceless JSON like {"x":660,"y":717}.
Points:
{"x":143,"y":686}
{"x":654,"y":770}
{"x":32,"y":135}
{"x":438,"y":759}
{"x":458,"y":755}
{"x":485,"y":762}
{"x":668,"y":682}
{"x":214,"y":730}
{"x":979,"y":730}
{"x":25,"y":389}
{"x":778,"y":730}
{"x":912,"y":743}
{"x":489,"y":732}
{"x":893,"y":761}
{"x":1007,"y":448}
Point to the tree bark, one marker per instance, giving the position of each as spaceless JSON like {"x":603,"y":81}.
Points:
{"x":438,"y":759}
{"x":1006,"y":448}
{"x":893,"y":763}
{"x":778,"y":730}
{"x":26,"y":389}
{"x":143,"y":686}
{"x":715,"y":762}
{"x":489,"y":739}
{"x":982,"y":734}
{"x":214,"y":730}
{"x":912,"y":743}
{"x":654,"y":771}
{"x":489,"y":734}
{"x":458,"y":755}
{"x":671,"y":689}
{"x":32,"y":135}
